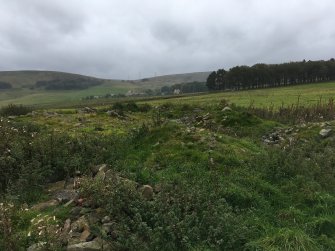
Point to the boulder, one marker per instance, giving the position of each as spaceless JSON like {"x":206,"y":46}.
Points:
{"x":37,"y":247}
{"x":75,"y":212}
{"x":85,"y":235}
{"x":66,"y":195}
{"x":98,"y":168}
{"x":101,"y":175}
{"x":107,"y":228}
{"x":93,"y":218}
{"x":103,"y":168}
{"x":226,"y":109}
{"x":88,"y":110}
{"x":59,"y":185}
{"x":95,"y":245}
{"x":65,"y":231}
{"x":147,"y":192}
{"x":324,"y":133}
{"x":106,"y":219}
{"x":80,"y":225}
{"x":113,"y":114}
{"x":44,"y":205}
{"x":67,"y":226}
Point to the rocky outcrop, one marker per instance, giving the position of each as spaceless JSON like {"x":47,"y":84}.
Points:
{"x":76,"y":233}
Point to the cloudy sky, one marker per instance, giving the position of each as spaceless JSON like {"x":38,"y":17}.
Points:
{"x":141,"y":38}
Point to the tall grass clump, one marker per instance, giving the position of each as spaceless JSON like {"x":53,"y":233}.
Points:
{"x":15,"y":110}
{"x":297,"y":113}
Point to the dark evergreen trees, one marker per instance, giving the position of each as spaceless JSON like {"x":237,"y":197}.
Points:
{"x":271,"y":75}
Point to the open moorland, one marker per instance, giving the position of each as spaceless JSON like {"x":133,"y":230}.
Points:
{"x":221,"y":171}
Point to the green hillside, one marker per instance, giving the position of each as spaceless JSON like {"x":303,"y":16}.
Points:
{"x":27,"y":79}
{"x":159,"y":81}
{"x":25,"y":88}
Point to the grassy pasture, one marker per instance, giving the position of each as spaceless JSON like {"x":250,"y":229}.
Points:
{"x":306,"y":94}
{"x":47,"y":97}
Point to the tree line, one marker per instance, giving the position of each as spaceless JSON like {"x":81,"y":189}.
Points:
{"x":271,"y":75}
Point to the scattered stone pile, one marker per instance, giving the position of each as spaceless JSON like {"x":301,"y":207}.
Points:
{"x":87,"y":110}
{"x":76,"y":233}
{"x":198,"y":120}
{"x":289,"y":135}
{"x":115,"y":114}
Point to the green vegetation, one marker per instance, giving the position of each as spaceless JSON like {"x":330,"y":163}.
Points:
{"x":4,"y":85}
{"x":14,"y":110}
{"x":272,"y":75}
{"x":218,"y":182}
{"x":307,"y":94}
{"x":68,"y":84}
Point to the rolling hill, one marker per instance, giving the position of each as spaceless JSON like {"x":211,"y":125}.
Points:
{"x":26,"y":79}
{"x":160,"y":81}
{"x":33,"y":87}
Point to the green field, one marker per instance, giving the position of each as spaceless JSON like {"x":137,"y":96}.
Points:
{"x":306,"y":94}
{"x":44,"y":97}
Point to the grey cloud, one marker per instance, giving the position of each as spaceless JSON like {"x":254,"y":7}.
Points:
{"x":114,"y":39}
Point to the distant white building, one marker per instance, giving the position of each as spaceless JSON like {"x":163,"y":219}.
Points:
{"x":176,"y":91}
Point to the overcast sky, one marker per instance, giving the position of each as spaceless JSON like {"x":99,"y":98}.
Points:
{"x":138,"y":38}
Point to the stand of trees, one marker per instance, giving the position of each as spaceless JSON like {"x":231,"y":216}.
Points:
{"x":271,"y":75}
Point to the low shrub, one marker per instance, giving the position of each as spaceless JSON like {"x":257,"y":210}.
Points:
{"x":15,"y":110}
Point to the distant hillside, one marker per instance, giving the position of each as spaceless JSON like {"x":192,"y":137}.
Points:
{"x":50,"y":87}
{"x":168,"y":80}
{"x":19,"y":79}
{"x":26,"y":79}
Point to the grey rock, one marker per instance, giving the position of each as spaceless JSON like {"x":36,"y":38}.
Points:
{"x":85,"y":210}
{"x":80,"y":225}
{"x":99,"y":168}
{"x":44,"y":205}
{"x":103,"y":168}
{"x":37,"y":247}
{"x":147,"y":192}
{"x":226,"y":109}
{"x":86,"y":235}
{"x":107,"y":227}
{"x":106,"y":219}
{"x":75,"y":212}
{"x":113,"y":114}
{"x":95,"y":245}
{"x":66,"y":195}
{"x":88,"y":110}
{"x":93,"y":218}
{"x":101,"y":175}
{"x":324,"y":133}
